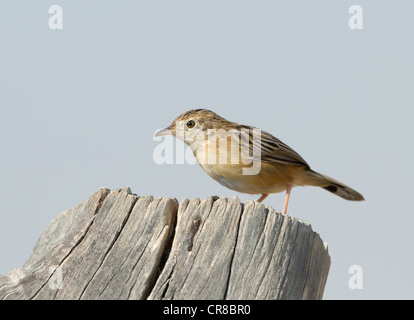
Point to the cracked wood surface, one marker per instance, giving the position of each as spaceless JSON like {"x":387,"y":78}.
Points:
{"x":117,"y":245}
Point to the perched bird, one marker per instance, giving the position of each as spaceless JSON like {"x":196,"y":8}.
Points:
{"x":247,"y":159}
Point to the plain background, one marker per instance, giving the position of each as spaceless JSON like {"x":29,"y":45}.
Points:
{"x":79,"y":108}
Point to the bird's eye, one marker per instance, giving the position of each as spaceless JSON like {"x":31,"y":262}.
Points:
{"x":191,"y":124}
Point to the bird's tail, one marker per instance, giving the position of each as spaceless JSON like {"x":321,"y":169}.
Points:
{"x":334,"y":186}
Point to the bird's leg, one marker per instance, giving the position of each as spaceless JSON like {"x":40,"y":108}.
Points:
{"x":262,"y":197}
{"x":288,"y":190}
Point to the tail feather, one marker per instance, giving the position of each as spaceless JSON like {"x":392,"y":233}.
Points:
{"x":334,"y":186}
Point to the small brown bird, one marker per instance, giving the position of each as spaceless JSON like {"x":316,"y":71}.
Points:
{"x":247,"y":159}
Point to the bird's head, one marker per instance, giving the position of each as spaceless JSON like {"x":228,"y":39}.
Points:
{"x":193,"y":124}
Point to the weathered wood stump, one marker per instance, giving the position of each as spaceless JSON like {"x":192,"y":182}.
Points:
{"x":117,"y":245}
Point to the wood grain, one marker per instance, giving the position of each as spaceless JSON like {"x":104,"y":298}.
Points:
{"x":117,"y":245}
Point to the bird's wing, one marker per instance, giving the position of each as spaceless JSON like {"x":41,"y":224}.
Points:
{"x":275,"y":150}
{"x":272,"y":150}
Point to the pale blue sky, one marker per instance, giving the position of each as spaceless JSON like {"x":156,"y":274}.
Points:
{"x":79,"y":107}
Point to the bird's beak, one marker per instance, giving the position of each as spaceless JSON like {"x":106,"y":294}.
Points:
{"x":164,"y":132}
